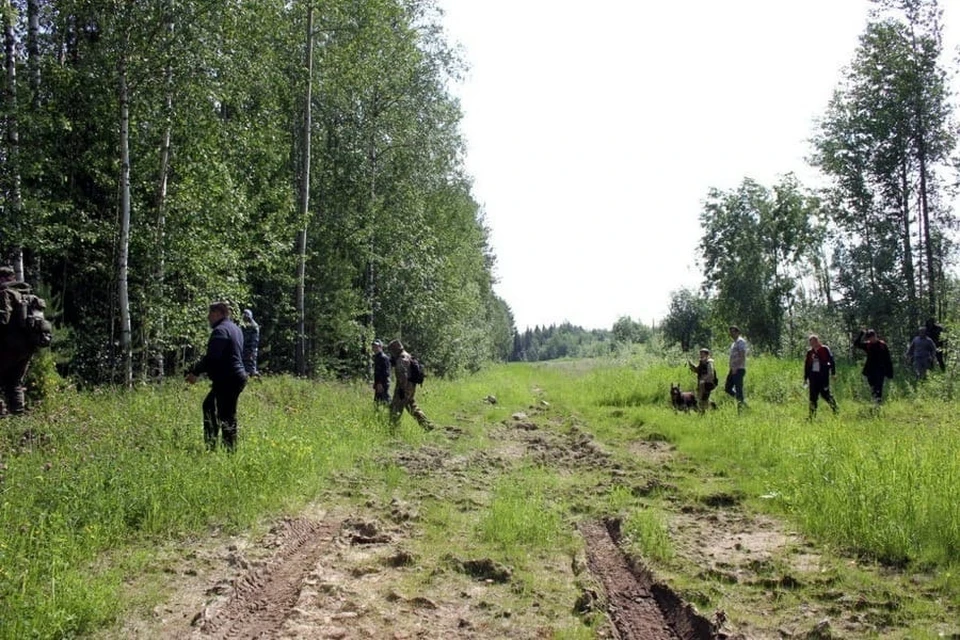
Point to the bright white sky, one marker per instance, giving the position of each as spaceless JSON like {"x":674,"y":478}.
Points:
{"x":595,"y":129}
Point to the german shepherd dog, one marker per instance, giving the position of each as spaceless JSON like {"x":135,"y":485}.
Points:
{"x":682,"y":400}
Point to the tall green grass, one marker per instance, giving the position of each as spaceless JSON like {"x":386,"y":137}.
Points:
{"x":883,"y":483}
{"x":107,"y":471}
{"x":103,"y":470}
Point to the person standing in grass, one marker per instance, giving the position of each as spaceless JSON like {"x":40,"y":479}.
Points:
{"x":404,"y":389}
{"x":706,"y":378}
{"x":818,"y":368}
{"x":223,"y":364}
{"x":381,"y":374}
{"x":738,"y":367}
{"x":922,"y":353}
{"x":251,"y":343}
{"x":16,"y":344}
{"x":935,"y":331}
{"x":879,"y":364}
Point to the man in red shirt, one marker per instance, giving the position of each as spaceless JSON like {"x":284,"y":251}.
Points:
{"x":818,"y":368}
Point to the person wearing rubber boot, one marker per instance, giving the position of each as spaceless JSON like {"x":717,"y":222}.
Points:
{"x":223,"y":364}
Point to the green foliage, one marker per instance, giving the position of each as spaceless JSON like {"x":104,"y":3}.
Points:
{"x":559,"y":341}
{"x":396,"y":242}
{"x":627,"y":331}
{"x":756,"y":246}
{"x":688,"y":320}
{"x":42,"y":378}
{"x":885,"y":143}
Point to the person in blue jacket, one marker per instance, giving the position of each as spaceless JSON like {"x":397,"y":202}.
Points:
{"x":223,"y":364}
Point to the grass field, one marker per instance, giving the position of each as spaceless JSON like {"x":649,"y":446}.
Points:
{"x":93,"y":482}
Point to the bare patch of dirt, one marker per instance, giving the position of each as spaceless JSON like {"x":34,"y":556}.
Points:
{"x":575,"y":448}
{"x":737,"y":547}
{"x":641,"y":608}
{"x":264,"y":598}
{"x":654,"y":451}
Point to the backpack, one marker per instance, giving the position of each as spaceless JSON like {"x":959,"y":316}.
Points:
{"x":416,"y":371}
{"x":26,"y":312}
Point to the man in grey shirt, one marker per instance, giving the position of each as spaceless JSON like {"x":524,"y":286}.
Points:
{"x":922,"y":353}
{"x":738,"y":367}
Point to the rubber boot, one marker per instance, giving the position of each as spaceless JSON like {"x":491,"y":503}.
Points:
{"x":229,"y":431}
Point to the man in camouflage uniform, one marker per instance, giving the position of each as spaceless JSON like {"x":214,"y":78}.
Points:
{"x":404,"y":390}
{"x":16,"y":348}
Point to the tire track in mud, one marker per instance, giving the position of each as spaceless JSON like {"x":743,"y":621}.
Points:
{"x":640,"y":607}
{"x":264,"y":598}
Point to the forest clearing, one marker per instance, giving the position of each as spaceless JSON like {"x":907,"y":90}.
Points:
{"x":579,"y":505}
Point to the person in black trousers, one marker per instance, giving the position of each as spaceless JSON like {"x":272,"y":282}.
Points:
{"x":223,"y":364}
{"x":381,"y":374}
{"x":879,"y":364}
{"x":818,"y":368}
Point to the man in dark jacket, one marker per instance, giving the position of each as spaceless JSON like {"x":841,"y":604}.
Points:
{"x":879,"y":364}
{"x":223,"y":364}
{"x":817,"y":371}
{"x":381,"y":374}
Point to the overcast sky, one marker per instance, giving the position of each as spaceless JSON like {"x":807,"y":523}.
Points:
{"x":595,"y":130}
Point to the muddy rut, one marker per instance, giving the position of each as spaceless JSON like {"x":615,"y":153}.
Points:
{"x":639,"y":607}
{"x":263,"y":599}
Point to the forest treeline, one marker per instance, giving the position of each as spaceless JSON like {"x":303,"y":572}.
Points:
{"x":872,"y":248}
{"x":302,"y":160}
{"x":570,"y":341}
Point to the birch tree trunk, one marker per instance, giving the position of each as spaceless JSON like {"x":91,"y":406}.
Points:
{"x":33,"y":50}
{"x":155,"y":311}
{"x":123,"y":254}
{"x":13,"y":140}
{"x":304,"y":207}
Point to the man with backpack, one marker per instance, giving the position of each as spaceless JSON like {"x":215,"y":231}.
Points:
{"x":408,"y":373}
{"x":706,"y":378}
{"x":23,"y":330}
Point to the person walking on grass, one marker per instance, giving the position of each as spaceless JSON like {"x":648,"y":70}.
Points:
{"x":404,"y":389}
{"x":706,"y":379}
{"x":818,"y":368}
{"x":922,"y":353}
{"x":223,"y":364}
{"x":879,"y":364}
{"x":738,"y":367}
{"x":23,"y":330}
{"x":381,"y":374}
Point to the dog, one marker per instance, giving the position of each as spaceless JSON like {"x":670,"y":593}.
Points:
{"x":682,"y":400}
